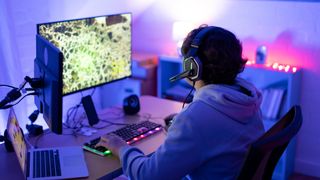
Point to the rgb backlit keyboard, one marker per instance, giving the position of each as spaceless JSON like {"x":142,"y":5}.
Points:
{"x":130,"y":133}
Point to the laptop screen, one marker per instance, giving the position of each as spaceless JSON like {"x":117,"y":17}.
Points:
{"x":17,"y":138}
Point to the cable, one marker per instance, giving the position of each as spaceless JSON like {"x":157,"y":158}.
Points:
{"x":10,"y":105}
{"x":8,"y":86}
{"x":11,"y":96}
{"x":30,"y":89}
{"x":71,"y":116}
{"x":185,"y":100}
{"x":76,"y":125}
{"x":72,"y":113}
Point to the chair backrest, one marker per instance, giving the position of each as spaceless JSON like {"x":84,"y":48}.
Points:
{"x":265,"y":152}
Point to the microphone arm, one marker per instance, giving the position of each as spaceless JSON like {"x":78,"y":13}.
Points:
{"x":182,"y":75}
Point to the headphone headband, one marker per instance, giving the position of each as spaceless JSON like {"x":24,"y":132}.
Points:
{"x":197,"y":40}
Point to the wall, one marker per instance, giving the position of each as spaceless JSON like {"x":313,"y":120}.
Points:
{"x":290,"y":29}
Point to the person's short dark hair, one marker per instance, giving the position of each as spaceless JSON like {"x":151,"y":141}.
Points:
{"x":220,"y":53}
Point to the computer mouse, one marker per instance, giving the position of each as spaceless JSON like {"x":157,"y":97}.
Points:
{"x":169,"y":119}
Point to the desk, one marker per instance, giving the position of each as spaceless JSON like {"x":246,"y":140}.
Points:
{"x":98,"y":166}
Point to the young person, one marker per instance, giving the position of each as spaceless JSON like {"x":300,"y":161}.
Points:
{"x":209,"y":138}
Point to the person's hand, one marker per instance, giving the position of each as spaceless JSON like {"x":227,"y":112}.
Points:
{"x":112,"y":142}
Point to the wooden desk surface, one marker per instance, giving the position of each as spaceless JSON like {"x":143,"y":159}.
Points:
{"x":152,"y":108}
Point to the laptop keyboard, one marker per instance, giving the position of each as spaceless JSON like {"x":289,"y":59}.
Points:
{"x":46,"y":163}
{"x":130,"y":133}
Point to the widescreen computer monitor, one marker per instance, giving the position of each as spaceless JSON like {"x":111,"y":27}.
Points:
{"x":90,"y":51}
{"x":48,"y":67}
{"x":97,"y":50}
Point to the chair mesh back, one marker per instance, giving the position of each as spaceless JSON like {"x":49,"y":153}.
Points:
{"x":265,"y":152}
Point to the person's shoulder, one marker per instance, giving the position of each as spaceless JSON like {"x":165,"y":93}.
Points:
{"x":194,"y":109}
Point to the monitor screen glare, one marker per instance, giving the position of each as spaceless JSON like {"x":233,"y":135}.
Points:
{"x":96,"y":50}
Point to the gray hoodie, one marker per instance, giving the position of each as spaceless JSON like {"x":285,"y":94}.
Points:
{"x":207,"y":140}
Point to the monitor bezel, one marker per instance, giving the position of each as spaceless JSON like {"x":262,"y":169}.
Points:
{"x":104,"y":83}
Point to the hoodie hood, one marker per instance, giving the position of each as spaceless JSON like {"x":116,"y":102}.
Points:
{"x":231,"y":100}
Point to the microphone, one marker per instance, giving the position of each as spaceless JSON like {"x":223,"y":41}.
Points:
{"x":182,"y":75}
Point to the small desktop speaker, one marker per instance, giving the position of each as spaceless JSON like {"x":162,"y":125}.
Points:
{"x":131,"y":105}
{"x":5,"y":138}
{"x":90,"y":110}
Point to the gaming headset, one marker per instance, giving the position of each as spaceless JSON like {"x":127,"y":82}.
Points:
{"x":192,"y":65}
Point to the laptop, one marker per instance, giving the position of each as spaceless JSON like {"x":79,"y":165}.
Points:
{"x":45,"y":163}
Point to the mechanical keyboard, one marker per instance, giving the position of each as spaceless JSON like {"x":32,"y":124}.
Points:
{"x":130,"y":133}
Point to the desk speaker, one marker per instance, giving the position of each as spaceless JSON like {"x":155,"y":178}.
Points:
{"x":7,"y":142}
{"x":131,"y":105}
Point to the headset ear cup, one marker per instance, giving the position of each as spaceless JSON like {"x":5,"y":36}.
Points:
{"x":194,"y":64}
{"x":131,"y":105}
{"x":198,"y":69}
